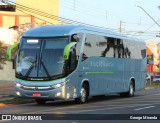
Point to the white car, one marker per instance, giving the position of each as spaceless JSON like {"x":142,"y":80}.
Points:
{"x":156,"y":78}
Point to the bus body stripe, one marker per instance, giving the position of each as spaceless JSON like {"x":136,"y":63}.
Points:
{"x":107,"y":72}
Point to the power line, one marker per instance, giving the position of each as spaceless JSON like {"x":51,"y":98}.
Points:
{"x":149,"y":15}
{"x":83,"y":5}
{"x":41,"y":13}
{"x":33,"y":11}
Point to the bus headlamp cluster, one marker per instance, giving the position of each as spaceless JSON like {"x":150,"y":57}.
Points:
{"x":18,"y":85}
{"x":58,"y":85}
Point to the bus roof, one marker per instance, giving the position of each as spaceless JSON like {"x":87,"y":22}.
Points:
{"x":69,"y":29}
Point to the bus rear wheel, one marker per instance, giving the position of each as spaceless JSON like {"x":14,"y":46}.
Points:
{"x":40,"y":101}
{"x":130,"y":93}
{"x":83,"y":95}
{"x":131,"y":90}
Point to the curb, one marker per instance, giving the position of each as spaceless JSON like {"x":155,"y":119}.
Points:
{"x":6,"y":97}
{"x":150,"y":88}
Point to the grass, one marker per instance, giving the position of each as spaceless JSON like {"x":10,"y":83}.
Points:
{"x":153,"y":84}
{"x":15,"y":100}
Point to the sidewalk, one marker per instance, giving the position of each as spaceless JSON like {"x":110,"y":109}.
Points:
{"x":6,"y":89}
{"x":7,"y":94}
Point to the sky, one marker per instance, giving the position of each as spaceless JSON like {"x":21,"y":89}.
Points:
{"x":109,"y":13}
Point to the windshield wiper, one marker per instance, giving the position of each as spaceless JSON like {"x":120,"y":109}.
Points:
{"x":45,"y":69}
{"x":31,"y":67}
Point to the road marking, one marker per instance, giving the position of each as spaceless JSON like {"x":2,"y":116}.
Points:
{"x":156,"y":94}
{"x":144,"y":108}
{"x":101,"y":109}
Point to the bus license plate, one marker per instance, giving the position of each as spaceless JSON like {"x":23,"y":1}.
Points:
{"x":36,"y":94}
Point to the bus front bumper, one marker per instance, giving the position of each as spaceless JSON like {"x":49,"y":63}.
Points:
{"x":52,"y":94}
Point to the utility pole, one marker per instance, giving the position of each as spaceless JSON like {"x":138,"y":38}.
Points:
{"x":106,"y":15}
{"x":120,"y":29}
{"x":74,"y":5}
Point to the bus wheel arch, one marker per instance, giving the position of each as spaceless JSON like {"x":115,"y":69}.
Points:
{"x":84,"y":93}
{"x":86,"y":84}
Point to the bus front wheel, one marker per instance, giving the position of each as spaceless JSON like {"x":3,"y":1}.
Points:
{"x":83,"y":95}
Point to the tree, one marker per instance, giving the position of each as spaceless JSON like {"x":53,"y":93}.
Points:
{"x":3,"y":50}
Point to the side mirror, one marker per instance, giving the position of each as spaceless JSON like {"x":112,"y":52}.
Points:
{"x":67,"y":48}
{"x":70,"y":57}
{"x":12,"y":52}
{"x":75,"y":38}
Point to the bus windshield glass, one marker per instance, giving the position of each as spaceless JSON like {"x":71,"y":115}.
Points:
{"x":41,"y":58}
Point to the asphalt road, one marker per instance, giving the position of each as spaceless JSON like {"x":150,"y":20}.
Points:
{"x":111,"y":108}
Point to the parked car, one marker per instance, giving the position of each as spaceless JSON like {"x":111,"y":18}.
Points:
{"x":156,"y":78}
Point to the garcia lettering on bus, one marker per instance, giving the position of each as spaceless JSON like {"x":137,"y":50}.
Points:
{"x":101,"y":64}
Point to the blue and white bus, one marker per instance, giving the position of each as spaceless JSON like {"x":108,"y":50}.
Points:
{"x":77,"y":62}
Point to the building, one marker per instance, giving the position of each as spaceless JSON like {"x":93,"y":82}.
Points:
{"x":154,"y":48}
{"x":19,"y":16}
{"x":30,"y":11}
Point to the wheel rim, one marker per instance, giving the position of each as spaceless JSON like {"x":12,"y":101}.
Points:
{"x":83,"y":94}
{"x":131,"y":90}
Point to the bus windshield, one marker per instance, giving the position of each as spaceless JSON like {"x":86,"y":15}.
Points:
{"x":41,"y":58}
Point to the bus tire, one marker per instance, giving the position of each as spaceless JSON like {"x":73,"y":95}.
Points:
{"x":83,"y":95}
{"x":130,"y":93}
{"x":131,"y":90}
{"x":40,"y":101}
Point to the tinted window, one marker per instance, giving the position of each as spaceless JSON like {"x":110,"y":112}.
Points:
{"x":102,"y":46}
{"x":90,"y":45}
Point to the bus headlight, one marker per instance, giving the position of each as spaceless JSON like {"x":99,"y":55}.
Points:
{"x":18,"y":93}
{"x":57,"y":85}
{"x":60,"y":84}
{"x":18,"y":85}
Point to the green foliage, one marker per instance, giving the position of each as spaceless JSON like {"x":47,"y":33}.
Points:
{"x":3,"y":51}
{"x":153,"y":84}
